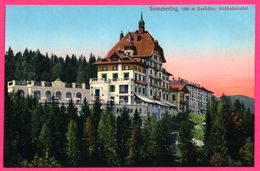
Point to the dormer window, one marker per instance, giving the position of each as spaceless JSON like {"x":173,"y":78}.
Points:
{"x":114,"y":58}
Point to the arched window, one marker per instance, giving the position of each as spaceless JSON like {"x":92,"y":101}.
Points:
{"x":21,"y":93}
{"x":68,"y":95}
{"x":48,"y":95}
{"x":78,"y":97}
{"x":37,"y":95}
{"x":58,"y":95}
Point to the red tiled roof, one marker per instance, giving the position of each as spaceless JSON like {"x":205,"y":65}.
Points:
{"x":121,"y":58}
{"x":143,"y":44}
{"x":179,"y":86}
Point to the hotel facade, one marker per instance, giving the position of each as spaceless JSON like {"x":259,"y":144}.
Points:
{"x":132,"y":75}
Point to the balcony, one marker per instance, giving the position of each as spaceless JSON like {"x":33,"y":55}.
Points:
{"x":122,"y":80}
{"x":99,"y":80}
{"x":102,"y":81}
{"x":140,"y":82}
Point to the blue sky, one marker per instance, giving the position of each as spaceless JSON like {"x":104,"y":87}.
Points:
{"x":85,"y":29}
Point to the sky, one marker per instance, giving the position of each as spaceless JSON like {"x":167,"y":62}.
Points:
{"x":215,"y":49}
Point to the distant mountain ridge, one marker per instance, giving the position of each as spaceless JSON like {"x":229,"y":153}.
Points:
{"x":247,"y":101}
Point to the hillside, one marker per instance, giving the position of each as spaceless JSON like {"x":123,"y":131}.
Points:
{"x":248,"y":101}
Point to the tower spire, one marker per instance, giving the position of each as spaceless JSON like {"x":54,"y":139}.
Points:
{"x":121,"y":35}
{"x":141,"y":24}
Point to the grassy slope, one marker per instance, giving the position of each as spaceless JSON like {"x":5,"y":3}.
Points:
{"x":197,"y":119}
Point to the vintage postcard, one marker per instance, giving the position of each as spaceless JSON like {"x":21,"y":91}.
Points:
{"x":129,"y":86}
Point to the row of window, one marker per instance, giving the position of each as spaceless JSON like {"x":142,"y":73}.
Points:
{"x":122,"y":99}
{"x":115,"y":76}
{"x":58,"y":95}
{"x":140,"y":77}
{"x":155,"y":65}
{"x":115,"y":67}
{"x":198,"y":104}
{"x":197,"y":96}
{"x":140,"y":90}
{"x":155,"y":92}
{"x":122,"y":88}
{"x":48,"y":94}
{"x":160,"y":83}
{"x":198,"y":90}
{"x":124,"y":67}
{"x":159,"y":74}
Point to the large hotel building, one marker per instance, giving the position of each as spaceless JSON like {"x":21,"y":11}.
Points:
{"x":131,"y":75}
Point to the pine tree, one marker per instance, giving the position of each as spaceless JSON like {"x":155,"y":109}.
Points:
{"x":137,"y":119}
{"x":82,"y":72}
{"x":90,"y":137}
{"x":72,"y":145}
{"x":123,"y":135}
{"x":136,"y":141}
{"x":247,"y":127}
{"x":57,"y":122}
{"x":164,"y":140}
{"x":187,"y":148}
{"x":45,"y":161}
{"x":92,"y":68}
{"x":38,"y":118}
{"x":25,"y":135}
{"x":9,"y":65}
{"x":151,"y":147}
{"x":84,"y":113}
{"x":107,"y":139}
{"x":44,"y":138}
{"x":70,"y":70}
{"x":72,"y":111}
{"x":57,"y":71}
{"x":11,"y":133}
{"x":20,"y":67}
{"x":208,"y":133}
{"x":96,"y":112}
{"x":221,"y":125}
{"x":246,"y":153}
